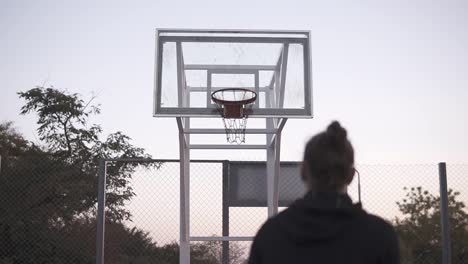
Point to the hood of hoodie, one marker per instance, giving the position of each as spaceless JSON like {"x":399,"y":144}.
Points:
{"x":319,"y":217}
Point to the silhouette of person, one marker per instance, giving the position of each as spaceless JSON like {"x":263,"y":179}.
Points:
{"x":324,"y":226}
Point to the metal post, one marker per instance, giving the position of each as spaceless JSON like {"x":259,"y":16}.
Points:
{"x":180,"y":69}
{"x":225,"y":244}
{"x":444,"y":215}
{"x":283,"y":69}
{"x":271,"y":170}
{"x":184,"y":151}
{"x":276,"y":173}
{"x":257,"y":88}
{"x":101,"y":217}
{"x":273,"y":166}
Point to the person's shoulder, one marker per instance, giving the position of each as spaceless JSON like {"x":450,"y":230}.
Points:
{"x":383,"y":233}
{"x":379,"y":225}
{"x":271,"y":226}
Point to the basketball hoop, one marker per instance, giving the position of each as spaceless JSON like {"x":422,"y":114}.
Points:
{"x":234,"y":105}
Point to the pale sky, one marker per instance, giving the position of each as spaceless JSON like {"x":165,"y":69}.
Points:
{"x":393,"y":72}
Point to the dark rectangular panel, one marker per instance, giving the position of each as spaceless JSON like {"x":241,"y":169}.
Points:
{"x":247,"y":184}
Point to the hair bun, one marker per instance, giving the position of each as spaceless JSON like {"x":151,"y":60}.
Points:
{"x":336,"y":132}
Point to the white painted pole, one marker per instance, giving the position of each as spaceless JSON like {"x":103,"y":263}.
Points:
{"x":273,"y":167}
{"x":284,"y":67}
{"x":269,"y":180}
{"x":271,"y":171}
{"x":276,"y":172}
{"x":184,"y":152}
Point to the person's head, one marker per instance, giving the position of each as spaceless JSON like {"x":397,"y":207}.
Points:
{"x":328,"y":164}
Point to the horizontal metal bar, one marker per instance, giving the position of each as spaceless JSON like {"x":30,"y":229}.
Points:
{"x":204,"y":89}
{"x":232,"y":39}
{"x":230,"y":67}
{"x":172,"y":115}
{"x":160,"y":160}
{"x":223,"y":238}
{"x":223,"y":131}
{"x":233,"y":146}
{"x":213,"y":112}
{"x":234,"y":71}
{"x":140,"y":160}
{"x":287,"y":163}
{"x":231,"y":31}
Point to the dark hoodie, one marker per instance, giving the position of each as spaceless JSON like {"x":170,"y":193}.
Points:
{"x":325,"y":228}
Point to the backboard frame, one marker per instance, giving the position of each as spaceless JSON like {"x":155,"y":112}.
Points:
{"x":178,"y":36}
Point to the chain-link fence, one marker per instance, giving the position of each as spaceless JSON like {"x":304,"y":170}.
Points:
{"x":457,"y":175}
{"x":48,"y":211}
{"x":408,"y":196}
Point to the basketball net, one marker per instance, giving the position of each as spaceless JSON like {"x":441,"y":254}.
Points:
{"x":234,"y":105}
{"x":235,"y":129}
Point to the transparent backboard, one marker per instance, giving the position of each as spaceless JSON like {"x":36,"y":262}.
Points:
{"x":192,"y":64}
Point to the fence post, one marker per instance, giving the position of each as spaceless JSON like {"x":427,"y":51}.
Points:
{"x":225,"y":244}
{"x":444,"y":215}
{"x":101,"y":217}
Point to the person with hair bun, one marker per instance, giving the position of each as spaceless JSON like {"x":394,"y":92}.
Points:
{"x":324,"y":226}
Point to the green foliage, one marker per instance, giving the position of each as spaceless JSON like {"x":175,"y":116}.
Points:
{"x":47,"y":192}
{"x":420,"y":229}
{"x":210,"y":252}
{"x":40,"y":195}
{"x":12,"y":143}
{"x":63,"y":126}
{"x":62,"y":120}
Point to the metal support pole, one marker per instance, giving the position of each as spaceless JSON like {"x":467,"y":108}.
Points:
{"x":276,"y":173}
{"x":270,"y":168}
{"x":444,"y":215}
{"x":225,"y":244}
{"x":271,"y":154}
{"x":101,"y":217}
{"x":184,"y":151}
{"x":273,"y":166}
{"x":283,"y":69}
{"x":273,"y":170}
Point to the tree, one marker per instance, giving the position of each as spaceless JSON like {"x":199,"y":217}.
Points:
{"x":48,"y":192}
{"x":39,"y":195}
{"x":12,"y":143}
{"x":420,"y":228}
{"x":207,"y":252}
{"x":211,"y":252}
{"x":63,"y":126}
